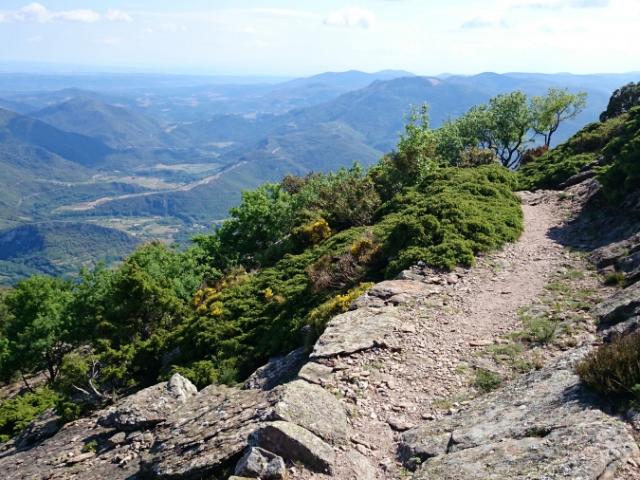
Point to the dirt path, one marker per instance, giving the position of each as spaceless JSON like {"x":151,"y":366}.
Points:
{"x":447,"y":321}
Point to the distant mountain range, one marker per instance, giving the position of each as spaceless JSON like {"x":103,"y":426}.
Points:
{"x":154,"y":159}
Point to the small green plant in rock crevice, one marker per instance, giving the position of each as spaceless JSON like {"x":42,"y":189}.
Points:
{"x":486,"y":380}
{"x":614,"y":279}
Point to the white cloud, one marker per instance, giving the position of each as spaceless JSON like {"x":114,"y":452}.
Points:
{"x":34,"y":12}
{"x":37,"y":13}
{"x":117,"y":16}
{"x":351,"y":17}
{"x":82,"y":16}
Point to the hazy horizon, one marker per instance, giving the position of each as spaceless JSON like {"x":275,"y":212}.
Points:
{"x":44,"y":68}
{"x":284,"y":38}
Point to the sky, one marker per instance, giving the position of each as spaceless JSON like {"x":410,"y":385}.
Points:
{"x":303,"y":37}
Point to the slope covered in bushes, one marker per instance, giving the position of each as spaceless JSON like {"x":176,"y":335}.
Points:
{"x":612,"y":147}
{"x":290,"y":256}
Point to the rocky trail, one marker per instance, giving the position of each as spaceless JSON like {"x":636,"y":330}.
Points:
{"x":445,"y":320}
{"x":428,"y":376}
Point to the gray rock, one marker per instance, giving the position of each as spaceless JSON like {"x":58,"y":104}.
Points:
{"x":619,"y":313}
{"x":296,"y":444}
{"x":422,"y":443}
{"x":117,"y":439}
{"x":544,"y":425}
{"x":148,"y":407}
{"x":577,"y":178}
{"x":261,"y":463}
{"x":39,"y":429}
{"x":614,"y":253}
{"x":316,"y":373}
{"x":356,"y":330}
{"x":206,"y":433}
{"x":277,"y":371}
{"x":313,"y":408}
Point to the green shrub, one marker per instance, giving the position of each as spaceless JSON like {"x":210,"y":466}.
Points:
{"x":539,"y":330}
{"x":621,"y":176}
{"x":17,"y":412}
{"x":613,"y":369}
{"x":319,"y":316}
{"x":486,"y":380}
{"x":568,"y":159}
{"x":614,"y":279}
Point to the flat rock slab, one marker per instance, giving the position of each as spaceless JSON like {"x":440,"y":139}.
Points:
{"x":355,"y":331}
{"x":312,"y":407}
{"x":392,"y":288}
{"x":316,"y":373}
{"x":150,"y":406}
{"x":208,"y":433}
{"x":296,"y":444}
{"x":277,"y":371}
{"x":545,"y":425}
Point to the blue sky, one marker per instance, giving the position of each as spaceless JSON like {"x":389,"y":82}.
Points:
{"x":286,"y":37}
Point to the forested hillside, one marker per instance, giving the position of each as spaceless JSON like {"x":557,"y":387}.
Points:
{"x":164,"y":158}
{"x":292,"y":255}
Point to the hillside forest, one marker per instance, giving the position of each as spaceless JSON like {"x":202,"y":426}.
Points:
{"x":295,"y":253}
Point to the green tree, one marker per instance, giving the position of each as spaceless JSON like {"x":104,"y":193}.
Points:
{"x":503,"y":126}
{"x":552,"y":109}
{"x":261,"y":220}
{"x":38,"y":330}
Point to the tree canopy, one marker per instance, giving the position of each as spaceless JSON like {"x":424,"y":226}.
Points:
{"x":556,"y":107}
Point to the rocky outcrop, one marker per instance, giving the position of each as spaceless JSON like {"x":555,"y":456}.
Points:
{"x":620,"y":314}
{"x":172,"y":431}
{"x":43,"y":427}
{"x":277,"y":371}
{"x":545,"y":425}
{"x":622,"y":256}
{"x":301,"y":418}
{"x":150,"y":406}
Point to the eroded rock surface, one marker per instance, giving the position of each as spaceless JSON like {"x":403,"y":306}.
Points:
{"x":150,"y":406}
{"x":620,"y":314}
{"x":355,"y":331}
{"x":277,"y":371}
{"x":545,"y":425}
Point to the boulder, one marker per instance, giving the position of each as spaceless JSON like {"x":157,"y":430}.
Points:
{"x":277,"y":371}
{"x":148,"y":407}
{"x":296,"y":444}
{"x":316,"y":373}
{"x":260,"y":463}
{"x":313,"y":408}
{"x":355,"y":331}
{"x":207,"y":433}
{"x":620,"y":314}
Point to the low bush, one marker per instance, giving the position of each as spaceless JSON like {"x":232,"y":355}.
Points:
{"x":613,"y":369}
{"x":581,"y":150}
{"x":486,"y":380}
{"x":16,"y":413}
